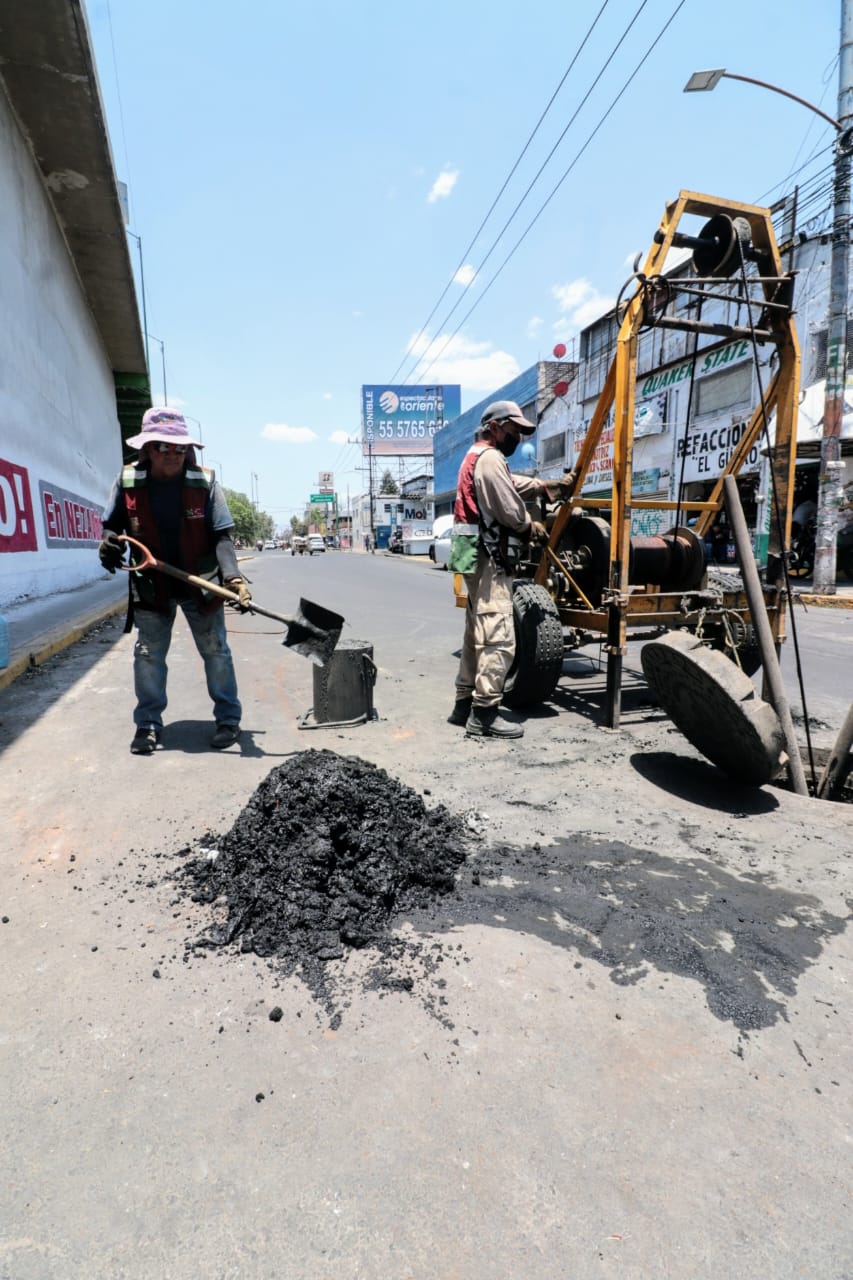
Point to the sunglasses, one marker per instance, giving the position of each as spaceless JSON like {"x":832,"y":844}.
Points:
{"x":172,"y":448}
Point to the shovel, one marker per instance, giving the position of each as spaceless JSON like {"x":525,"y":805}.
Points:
{"x":313,"y":632}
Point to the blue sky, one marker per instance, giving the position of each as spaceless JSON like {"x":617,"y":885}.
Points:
{"x":308,"y":178}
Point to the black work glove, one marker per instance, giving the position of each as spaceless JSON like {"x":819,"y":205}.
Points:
{"x":562,"y":489}
{"x":111,"y":551}
{"x":241,"y":588}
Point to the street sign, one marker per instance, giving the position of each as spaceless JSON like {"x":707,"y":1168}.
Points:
{"x":322,"y":497}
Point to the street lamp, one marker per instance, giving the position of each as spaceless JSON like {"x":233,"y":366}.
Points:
{"x":163,"y":361}
{"x":138,"y":240}
{"x":217,"y":464}
{"x":829,"y":489}
{"x":190,"y":418}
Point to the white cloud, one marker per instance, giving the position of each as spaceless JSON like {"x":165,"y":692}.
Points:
{"x":534,"y":324}
{"x":288,"y":435}
{"x":593,"y":309}
{"x":339,"y":437}
{"x":580,"y":303}
{"x":465,"y":274}
{"x":476,"y":365}
{"x":443,"y":185}
{"x":327,"y":395}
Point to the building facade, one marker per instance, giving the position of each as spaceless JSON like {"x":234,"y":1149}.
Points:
{"x":73,"y":378}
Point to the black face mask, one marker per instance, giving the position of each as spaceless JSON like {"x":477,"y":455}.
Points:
{"x":508,"y":445}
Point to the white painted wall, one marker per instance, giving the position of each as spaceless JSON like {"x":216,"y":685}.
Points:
{"x":59,"y":433}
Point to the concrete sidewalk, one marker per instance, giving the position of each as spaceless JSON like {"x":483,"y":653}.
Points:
{"x":38,"y":629}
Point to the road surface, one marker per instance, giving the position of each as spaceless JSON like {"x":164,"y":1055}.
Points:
{"x":625,"y":1052}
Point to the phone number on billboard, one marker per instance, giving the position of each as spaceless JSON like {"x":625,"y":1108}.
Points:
{"x":404,"y":429}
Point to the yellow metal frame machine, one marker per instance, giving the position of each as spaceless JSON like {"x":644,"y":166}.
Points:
{"x":733,"y":233}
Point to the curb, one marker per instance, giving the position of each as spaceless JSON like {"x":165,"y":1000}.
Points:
{"x":826,"y":602}
{"x":55,"y":643}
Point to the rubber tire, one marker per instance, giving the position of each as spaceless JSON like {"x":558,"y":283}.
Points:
{"x":538,"y":662}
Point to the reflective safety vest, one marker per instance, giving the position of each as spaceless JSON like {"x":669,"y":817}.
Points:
{"x":151,"y":589}
{"x":465,"y":534}
{"x":470,"y":531}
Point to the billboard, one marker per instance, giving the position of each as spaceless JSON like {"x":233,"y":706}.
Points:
{"x":397,"y":420}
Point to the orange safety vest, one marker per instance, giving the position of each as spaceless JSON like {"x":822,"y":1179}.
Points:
{"x":197,"y":556}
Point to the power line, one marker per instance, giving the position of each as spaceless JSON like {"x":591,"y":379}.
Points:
{"x":555,"y":189}
{"x":537,"y":175}
{"x":503,"y":188}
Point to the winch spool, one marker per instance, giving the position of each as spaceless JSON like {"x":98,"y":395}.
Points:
{"x":673,"y":561}
{"x":718,"y":247}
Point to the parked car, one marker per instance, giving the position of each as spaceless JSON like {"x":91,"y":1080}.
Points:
{"x":439,"y":549}
{"x":269,"y":545}
{"x":315,"y":543}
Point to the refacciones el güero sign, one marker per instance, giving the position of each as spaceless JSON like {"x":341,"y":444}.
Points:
{"x":17,"y":525}
{"x":404,"y":419}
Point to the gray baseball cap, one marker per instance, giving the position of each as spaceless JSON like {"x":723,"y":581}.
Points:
{"x":507,"y":409}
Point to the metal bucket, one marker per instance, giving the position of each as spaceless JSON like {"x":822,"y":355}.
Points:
{"x":343,"y":687}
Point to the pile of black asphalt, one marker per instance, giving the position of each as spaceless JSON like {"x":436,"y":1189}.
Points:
{"x":329,"y":851}
{"x":332,"y":856}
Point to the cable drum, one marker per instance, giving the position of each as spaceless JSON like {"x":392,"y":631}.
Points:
{"x":726,"y":238}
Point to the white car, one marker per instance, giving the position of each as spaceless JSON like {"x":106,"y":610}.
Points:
{"x":439,"y":549}
{"x":315,"y":543}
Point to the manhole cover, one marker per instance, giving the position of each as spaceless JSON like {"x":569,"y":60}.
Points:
{"x":715,"y":706}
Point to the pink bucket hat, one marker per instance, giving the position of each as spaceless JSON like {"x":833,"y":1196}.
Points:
{"x":165,"y":426}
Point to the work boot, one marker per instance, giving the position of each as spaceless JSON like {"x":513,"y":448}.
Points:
{"x":145,"y":740}
{"x":461,"y":711}
{"x":226,"y":735}
{"x":487,"y":722}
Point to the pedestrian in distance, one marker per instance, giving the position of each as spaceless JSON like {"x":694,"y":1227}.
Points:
{"x":176,"y":508}
{"x":490,"y":525}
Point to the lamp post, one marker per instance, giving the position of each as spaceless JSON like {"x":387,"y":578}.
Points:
{"x":138,"y":240}
{"x":829,"y":489}
{"x":190,"y":418}
{"x":218,"y":464}
{"x":163,"y":362}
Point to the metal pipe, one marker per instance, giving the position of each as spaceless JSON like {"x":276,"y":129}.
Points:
{"x":761,"y":623}
{"x":837,"y":767}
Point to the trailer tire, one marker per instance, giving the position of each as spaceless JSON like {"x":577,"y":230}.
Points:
{"x":538,"y":661}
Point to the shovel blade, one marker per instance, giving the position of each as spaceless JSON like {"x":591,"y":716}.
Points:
{"x":314,"y":632}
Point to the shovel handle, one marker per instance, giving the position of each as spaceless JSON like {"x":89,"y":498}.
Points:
{"x":150,"y":561}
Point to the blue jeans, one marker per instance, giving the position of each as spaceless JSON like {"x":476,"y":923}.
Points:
{"x":149,"y":662}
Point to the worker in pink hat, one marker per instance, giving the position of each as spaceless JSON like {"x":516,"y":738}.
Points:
{"x":176,"y":508}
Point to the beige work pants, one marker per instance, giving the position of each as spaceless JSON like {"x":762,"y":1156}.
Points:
{"x":488,"y":645}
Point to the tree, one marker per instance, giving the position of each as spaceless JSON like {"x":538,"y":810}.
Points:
{"x":249,"y":525}
{"x":388,"y":484}
{"x":243,"y":515}
{"x":264,"y":526}
{"x":298,"y":527}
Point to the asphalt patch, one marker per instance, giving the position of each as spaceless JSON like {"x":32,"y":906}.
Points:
{"x":327,"y":854}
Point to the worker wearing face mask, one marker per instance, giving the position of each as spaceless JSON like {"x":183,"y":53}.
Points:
{"x":490,"y":527}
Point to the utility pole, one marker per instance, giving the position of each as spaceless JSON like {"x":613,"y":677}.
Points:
{"x":829,"y":487}
{"x":370,"y":486}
